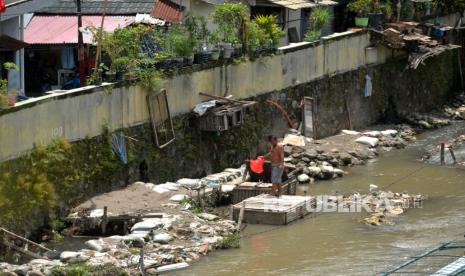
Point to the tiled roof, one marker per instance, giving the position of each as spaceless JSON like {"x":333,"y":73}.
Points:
{"x":115,"y":7}
{"x":167,"y":11}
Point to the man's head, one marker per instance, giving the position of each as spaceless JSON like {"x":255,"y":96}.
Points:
{"x":273,"y":140}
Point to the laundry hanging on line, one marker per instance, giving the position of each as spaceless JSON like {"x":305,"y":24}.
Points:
{"x":368,"y":86}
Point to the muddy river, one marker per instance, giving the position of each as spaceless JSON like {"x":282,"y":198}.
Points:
{"x":337,"y":244}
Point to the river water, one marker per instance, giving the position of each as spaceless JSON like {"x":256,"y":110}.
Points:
{"x":337,"y":244}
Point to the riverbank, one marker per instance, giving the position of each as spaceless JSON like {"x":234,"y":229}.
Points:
{"x":182,"y":232}
{"x":332,"y":243}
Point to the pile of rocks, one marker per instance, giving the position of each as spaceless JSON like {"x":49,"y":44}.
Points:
{"x":170,"y":242}
{"x":426,"y":121}
{"x":456,"y":110}
{"x":314,"y":164}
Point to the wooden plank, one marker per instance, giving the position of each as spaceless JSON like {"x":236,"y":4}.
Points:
{"x":23,"y":239}
{"x":25,"y":252}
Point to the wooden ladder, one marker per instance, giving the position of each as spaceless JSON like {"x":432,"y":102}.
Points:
{"x":22,"y":245}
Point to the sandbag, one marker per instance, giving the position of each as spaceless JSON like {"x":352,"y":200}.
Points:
{"x":369,"y":141}
{"x":160,"y":189}
{"x":189,"y":183}
{"x":350,"y":132}
{"x":163,"y":238}
{"x":178,"y":197}
{"x":97,"y":245}
{"x":171,"y":267}
{"x":303,"y":178}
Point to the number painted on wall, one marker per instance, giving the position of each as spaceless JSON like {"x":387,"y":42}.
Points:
{"x":57,"y":132}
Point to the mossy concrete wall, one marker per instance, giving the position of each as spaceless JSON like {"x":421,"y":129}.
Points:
{"x":396,"y":91}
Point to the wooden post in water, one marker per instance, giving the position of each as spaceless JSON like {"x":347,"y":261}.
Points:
{"x":453,"y":155}
{"x":241,"y":216}
{"x":442,"y":153}
{"x":231,"y":212}
{"x":104,"y":220}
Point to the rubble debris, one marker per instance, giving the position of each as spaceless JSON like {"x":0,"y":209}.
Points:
{"x":383,"y":206}
{"x":406,"y":35}
{"x":456,"y":109}
{"x":173,"y":242}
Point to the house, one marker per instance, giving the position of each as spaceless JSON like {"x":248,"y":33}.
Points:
{"x":51,"y":56}
{"x":12,"y":22}
{"x":292,"y":14}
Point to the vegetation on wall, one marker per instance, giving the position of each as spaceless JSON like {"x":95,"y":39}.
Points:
{"x":51,"y":178}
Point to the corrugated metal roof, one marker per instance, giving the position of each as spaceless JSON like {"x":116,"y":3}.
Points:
{"x":302,"y":4}
{"x":115,"y":7}
{"x":63,"y":29}
{"x":167,"y":11}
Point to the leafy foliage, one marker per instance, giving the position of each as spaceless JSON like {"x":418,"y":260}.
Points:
{"x":182,"y":42}
{"x":196,"y":27}
{"x":4,"y":82}
{"x":364,"y":7}
{"x":257,"y":37}
{"x":230,"y":241}
{"x":449,"y":6}
{"x":230,"y":18}
{"x":269,"y":25}
{"x":318,"y":19}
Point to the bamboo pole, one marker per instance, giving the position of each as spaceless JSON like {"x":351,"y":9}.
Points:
{"x":99,"y":42}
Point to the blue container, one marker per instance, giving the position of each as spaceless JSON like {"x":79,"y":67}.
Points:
{"x":438,"y":32}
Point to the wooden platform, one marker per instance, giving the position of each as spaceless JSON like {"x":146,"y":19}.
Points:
{"x":250,"y":189}
{"x":267,"y":209}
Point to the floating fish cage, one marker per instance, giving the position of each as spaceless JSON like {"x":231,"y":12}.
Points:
{"x":267,"y":209}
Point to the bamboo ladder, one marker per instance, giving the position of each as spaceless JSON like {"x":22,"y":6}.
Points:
{"x":22,"y":245}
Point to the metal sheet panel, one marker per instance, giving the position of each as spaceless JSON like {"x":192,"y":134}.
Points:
{"x":61,"y":29}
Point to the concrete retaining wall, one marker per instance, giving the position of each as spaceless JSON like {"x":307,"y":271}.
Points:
{"x":83,"y":112}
